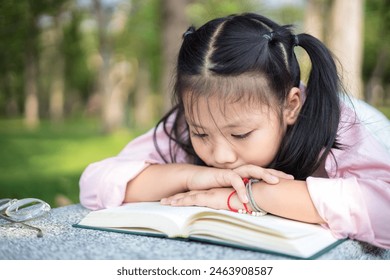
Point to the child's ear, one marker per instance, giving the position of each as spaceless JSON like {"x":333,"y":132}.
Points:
{"x":292,"y":106}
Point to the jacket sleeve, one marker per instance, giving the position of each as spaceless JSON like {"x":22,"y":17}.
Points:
{"x":355,"y":200}
{"x":103,"y":183}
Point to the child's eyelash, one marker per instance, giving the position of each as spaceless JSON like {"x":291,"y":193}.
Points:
{"x":241,"y":136}
{"x":199,"y":135}
{"x":237,"y":136}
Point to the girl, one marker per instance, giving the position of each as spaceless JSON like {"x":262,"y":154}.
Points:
{"x":240,"y":113}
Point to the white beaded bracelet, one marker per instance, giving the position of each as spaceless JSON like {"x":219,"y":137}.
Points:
{"x":257,"y":211}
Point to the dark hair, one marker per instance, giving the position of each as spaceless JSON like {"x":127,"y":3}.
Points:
{"x":250,"y":45}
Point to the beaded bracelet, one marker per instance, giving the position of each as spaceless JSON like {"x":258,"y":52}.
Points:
{"x":257,"y":211}
{"x":241,"y":211}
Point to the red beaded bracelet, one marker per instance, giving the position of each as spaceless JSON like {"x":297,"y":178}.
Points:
{"x":241,"y":211}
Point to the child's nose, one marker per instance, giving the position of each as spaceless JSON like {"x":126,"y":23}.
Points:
{"x":224,"y":153}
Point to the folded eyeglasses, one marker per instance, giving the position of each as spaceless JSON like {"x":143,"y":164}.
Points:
{"x":23,"y":210}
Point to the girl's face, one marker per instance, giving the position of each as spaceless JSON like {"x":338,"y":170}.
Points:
{"x":234,"y":134}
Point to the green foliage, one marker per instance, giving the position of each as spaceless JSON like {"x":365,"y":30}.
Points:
{"x":19,"y":35}
{"x":204,"y":10}
{"x":385,"y":110}
{"x":49,"y":161}
{"x":13,"y":30}
{"x":201,"y":11}
{"x":78,"y":76}
{"x":141,"y":38}
{"x":288,"y":14}
{"x":376,"y":36}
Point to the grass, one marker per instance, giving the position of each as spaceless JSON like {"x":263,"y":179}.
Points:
{"x":47,"y":163}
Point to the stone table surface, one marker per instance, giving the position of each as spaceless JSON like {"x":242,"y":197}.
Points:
{"x":63,"y":241}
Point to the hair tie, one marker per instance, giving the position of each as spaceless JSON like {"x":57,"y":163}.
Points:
{"x":296,"y":40}
{"x":269,"y":36}
{"x":189,"y":31}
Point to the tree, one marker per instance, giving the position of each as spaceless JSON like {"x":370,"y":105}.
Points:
{"x":21,"y":28}
{"x":140,"y":43}
{"x":12,"y":34}
{"x":314,"y":18}
{"x":78,"y":72}
{"x":174,"y":24}
{"x":339,"y":23}
{"x":346,"y":41}
{"x":57,"y":84}
{"x":376,"y":69}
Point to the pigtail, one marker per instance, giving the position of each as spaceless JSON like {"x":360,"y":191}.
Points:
{"x":310,"y":139}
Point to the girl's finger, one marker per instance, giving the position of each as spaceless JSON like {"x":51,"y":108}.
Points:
{"x":232,"y":178}
{"x":239,"y":186}
{"x":188,"y":199}
{"x":270,"y":176}
{"x":178,"y":197}
{"x":256,"y":172}
{"x":168,"y":200}
{"x":280,"y":174}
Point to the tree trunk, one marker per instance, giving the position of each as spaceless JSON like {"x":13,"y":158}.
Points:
{"x":120,"y":84}
{"x":316,"y":13}
{"x":31,"y":107}
{"x":143,"y":109}
{"x":314,"y":18}
{"x":174,"y":25}
{"x":346,"y":42}
{"x":56,"y":103}
{"x":103,"y":88}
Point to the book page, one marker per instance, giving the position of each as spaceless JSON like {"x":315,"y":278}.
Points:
{"x":144,"y":215}
{"x":269,"y":233}
{"x":299,"y":245}
{"x":269,"y":224}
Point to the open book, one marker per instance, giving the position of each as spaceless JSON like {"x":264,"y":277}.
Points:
{"x":268,"y":233}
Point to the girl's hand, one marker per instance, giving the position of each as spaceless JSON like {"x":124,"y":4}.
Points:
{"x":208,"y":178}
{"x":268,"y":175}
{"x":214,"y":198}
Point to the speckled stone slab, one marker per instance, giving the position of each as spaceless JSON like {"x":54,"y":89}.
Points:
{"x":63,"y":241}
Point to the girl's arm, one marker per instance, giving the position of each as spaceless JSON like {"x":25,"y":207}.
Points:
{"x":163,"y":180}
{"x":103,"y":183}
{"x":288,"y":198}
{"x":158,"y":181}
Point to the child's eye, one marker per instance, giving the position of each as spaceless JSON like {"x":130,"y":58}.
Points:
{"x":241,"y":136}
{"x":199,"y":135}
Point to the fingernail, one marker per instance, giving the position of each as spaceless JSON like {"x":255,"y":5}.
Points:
{"x":274,"y":179}
{"x":244,"y":199}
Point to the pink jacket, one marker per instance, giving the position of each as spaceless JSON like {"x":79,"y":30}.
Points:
{"x":354,"y":200}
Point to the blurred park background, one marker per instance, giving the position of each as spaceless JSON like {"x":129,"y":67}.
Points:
{"x":81,"y":78}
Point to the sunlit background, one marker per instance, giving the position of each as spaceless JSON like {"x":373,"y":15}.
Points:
{"x":81,"y":78}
